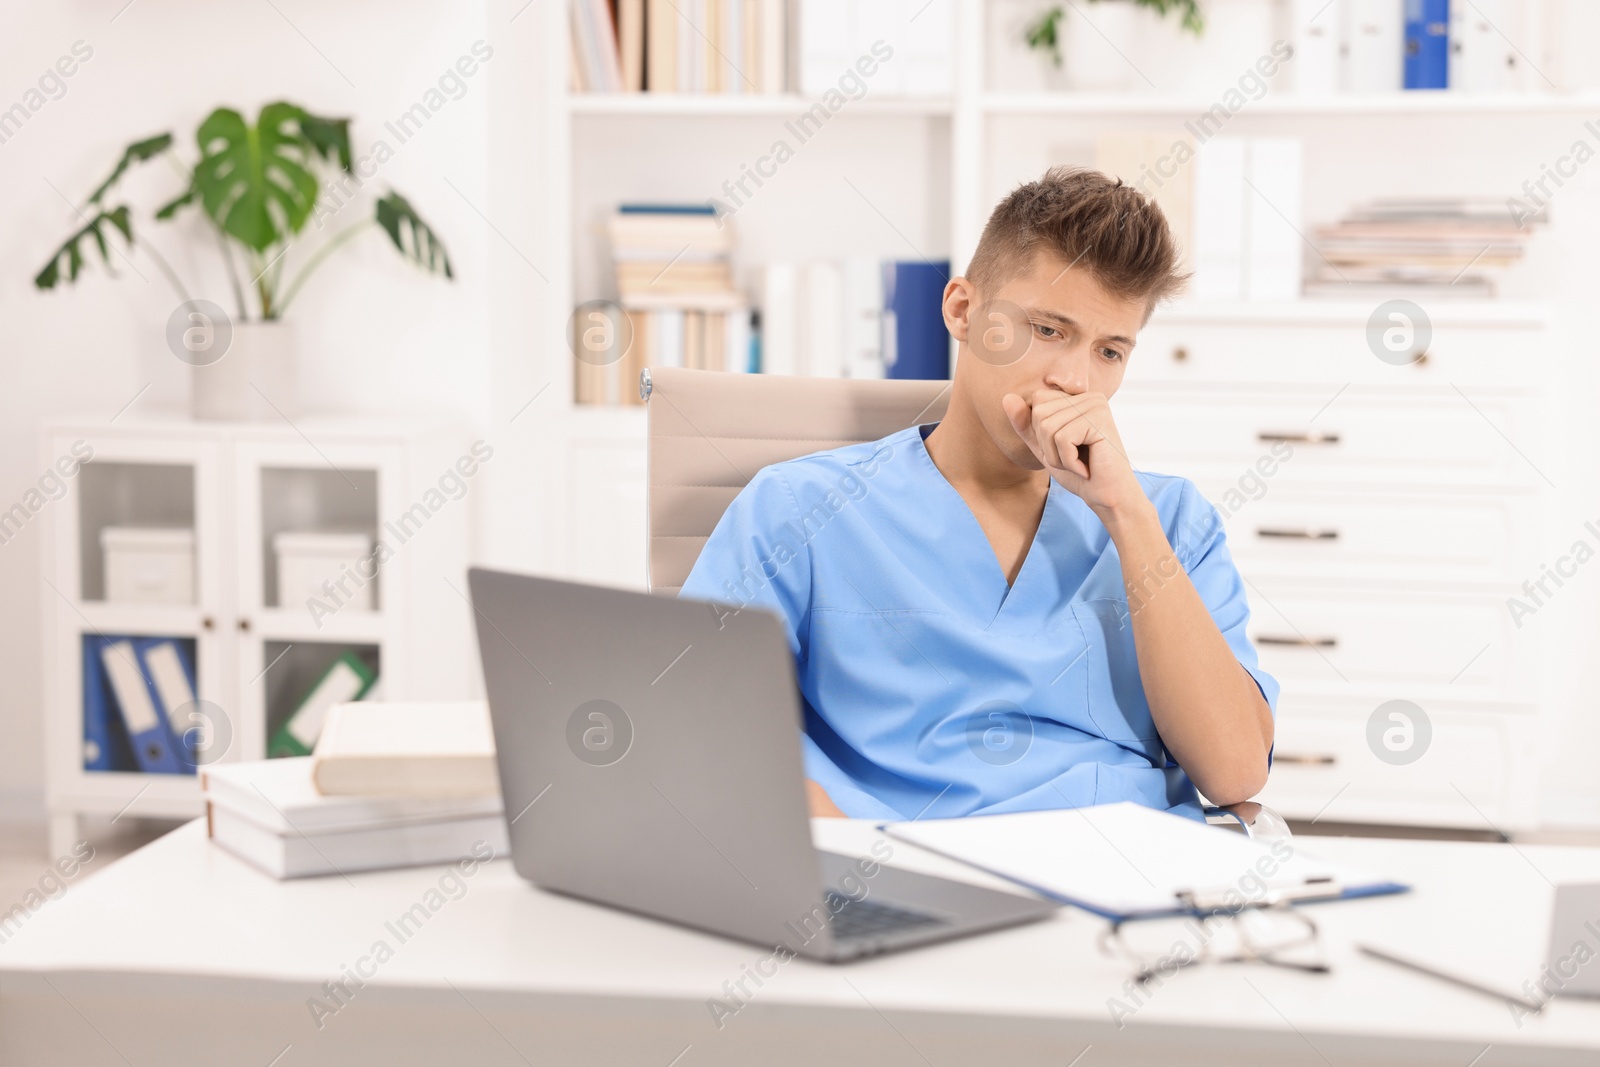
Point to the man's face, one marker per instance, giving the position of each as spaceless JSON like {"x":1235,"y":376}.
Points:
{"x":1052,"y":326}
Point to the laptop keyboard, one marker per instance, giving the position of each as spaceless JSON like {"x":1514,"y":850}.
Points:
{"x":853,"y":918}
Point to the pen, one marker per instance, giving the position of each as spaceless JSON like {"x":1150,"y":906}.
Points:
{"x":1499,"y":994}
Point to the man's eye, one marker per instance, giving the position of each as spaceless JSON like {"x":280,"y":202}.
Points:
{"x":1111,"y":354}
{"x":1046,"y":331}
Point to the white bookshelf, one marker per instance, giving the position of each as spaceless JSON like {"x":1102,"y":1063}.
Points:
{"x":236,"y":485}
{"x":1419,"y":103}
{"x":732,"y":105}
{"x":925,"y":173}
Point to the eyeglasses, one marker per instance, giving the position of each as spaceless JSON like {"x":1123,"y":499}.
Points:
{"x":1279,"y":934}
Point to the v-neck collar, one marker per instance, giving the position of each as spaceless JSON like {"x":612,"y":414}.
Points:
{"x":1012,"y":596}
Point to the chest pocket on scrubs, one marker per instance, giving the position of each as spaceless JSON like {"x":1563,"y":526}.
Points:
{"x":1116,"y":695}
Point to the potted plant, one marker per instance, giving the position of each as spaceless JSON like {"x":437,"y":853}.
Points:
{"x":1099,"y":56}
{"x":256,"y":186}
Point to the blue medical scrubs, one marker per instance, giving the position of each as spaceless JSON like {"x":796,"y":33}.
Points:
{"x":930,"y":687}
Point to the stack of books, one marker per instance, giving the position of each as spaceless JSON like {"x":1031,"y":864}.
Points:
{"x":1418,"y":247}
{"x":674,"y":278}
{"x":748,"y":47}
{"x":390,"y":785}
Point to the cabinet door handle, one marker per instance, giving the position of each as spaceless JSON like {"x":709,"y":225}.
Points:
{"x":1307,"y":534}
{"x":1273,"y":436}
{"x":208,"y":622}
{"x":1306,"y":760}
{"x":244,"y":626}
{"x":1298,"y":642}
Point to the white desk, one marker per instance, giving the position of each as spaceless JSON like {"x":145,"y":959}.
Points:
{"x":180,"y":954}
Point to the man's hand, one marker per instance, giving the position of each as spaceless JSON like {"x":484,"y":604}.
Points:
{"x":821,"y":805}
{"x":1077,"y":441}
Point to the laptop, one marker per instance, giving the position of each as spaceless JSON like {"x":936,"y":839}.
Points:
{"x":649,"y":753}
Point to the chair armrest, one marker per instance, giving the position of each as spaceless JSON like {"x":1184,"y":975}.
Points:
{"x":1256,"y":821}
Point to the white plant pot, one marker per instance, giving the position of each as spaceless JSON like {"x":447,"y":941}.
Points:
{"x":1014,"y":67}
{"x":1238,"y":34}
{"x":1100,"y":45}
{"x":256,"y":380}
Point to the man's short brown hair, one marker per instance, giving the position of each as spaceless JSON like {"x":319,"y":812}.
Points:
{"x":1090,"y":221}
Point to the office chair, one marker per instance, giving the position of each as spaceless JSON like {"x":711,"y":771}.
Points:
{"x":710,"y":432}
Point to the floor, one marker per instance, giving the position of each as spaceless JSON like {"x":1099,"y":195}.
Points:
{"x":26,"y":865}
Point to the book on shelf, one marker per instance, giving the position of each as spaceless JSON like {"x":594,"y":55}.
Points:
{"x":270,"y":814}
{"x":1318,"y":45}
{"x":597,"y":60}
{"x":1480,"y":59}
{"x":1427,"y":54}
{"x":681,"y":46}
{"x":1374,"y":50}
{"x":138,"y":693}
{"x":915,"y":341}
{"x":679,"y":336}
{"x":106,"y":746}
{"x":346,"y":678}
{"x":630,"y":43}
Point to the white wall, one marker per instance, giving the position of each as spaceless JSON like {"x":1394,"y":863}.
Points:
{"x":375,"y":332}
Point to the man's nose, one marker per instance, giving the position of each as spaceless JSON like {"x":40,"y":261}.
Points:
{"x":1070,"y":372}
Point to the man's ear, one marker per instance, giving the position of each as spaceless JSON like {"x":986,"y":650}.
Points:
{"x":958,"y":302}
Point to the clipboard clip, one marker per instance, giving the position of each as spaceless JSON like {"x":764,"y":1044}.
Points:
{"x":1227,"y":899}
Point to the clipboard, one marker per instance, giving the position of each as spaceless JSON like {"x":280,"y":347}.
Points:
{"x":1126,"y":861}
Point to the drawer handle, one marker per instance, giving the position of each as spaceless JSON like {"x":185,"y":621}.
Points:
{"x":1272,"y":437}
{"x":1307,"y":534}
{"x":1298,"y":642}
{"x":1305,"y":760}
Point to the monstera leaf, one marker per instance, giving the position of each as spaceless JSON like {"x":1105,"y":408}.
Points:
{"x":69,"y":251}
{"x":256,"y":181}
{"x":137,"y":152}
{"x":258,"y":185}
{"x":399,"y":219}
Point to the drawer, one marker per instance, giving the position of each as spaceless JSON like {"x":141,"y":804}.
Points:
{"x":1357,"y":438}
{"x":1323,"y":767}
{"x":1392,"y":641}
{"x":1375,"y":536}
{"x":1335,"y":351}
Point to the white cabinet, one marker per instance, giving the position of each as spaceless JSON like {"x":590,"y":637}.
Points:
{"x":404,"y":486}
{"x":1380,"y":515}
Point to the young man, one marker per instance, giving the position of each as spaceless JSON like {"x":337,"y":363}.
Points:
{"x":997,"y":612}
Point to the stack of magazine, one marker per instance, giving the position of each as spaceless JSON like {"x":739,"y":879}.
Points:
{"x":1447,"y":248}
{"x":389,"y":785}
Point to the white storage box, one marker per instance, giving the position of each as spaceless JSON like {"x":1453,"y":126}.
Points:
{"x":310,"y":564}
{"x":148,"y":564}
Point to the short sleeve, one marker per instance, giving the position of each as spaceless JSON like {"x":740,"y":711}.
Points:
{"x":758,"y":557}
{"x":755,"y":558}
{"x":1201,"y":544}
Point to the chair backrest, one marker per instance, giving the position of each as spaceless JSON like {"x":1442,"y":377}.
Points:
{"x":710,"y":432}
